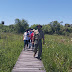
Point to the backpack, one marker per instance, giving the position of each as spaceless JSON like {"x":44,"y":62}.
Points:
{"x":36,"y":34}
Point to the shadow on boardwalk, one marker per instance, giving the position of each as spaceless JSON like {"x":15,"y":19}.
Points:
{"x":27,"y":63}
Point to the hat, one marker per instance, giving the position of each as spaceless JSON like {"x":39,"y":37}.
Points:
{"x":39,"y":25}
{"x":33,"y":30}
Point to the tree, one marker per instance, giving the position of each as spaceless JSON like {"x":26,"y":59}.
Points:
{"x":34,"y":26}
{"x":11,"y":28}
{"x":21,"y":25}
{"x":55,"y":25}
{"x":47,"y":29}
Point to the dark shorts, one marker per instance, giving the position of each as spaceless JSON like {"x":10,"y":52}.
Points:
{"x":29,"y":40}
{"x":25,"y":43}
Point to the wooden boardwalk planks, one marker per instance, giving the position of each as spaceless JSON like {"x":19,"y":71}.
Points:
{"x":27,"y":63}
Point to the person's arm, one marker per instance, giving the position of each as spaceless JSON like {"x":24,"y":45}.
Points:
{"x":23,"y":37}
{"x":28,"y":34}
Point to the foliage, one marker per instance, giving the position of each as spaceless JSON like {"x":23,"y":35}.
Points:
{"x":34,"y":26}
{"x":56,"y":56}
{"x":57,"y":53}
{"x":19,"y":27}
{"x":10,"y":47}
{"x":53,"y":27}
{"x":47,"y":29}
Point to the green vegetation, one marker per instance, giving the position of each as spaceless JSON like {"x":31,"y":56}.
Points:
{"x":56,"y":56}
{"x":53,"y":27}
{"x":11,"y":46}
{"x":57,"y":53}
{"x":18,"y":27}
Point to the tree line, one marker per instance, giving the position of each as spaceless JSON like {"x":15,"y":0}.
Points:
{"x":18,"y":27}
{"x":53,"y":27}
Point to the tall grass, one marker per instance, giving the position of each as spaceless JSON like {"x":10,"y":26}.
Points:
{"x":10,"y":47}
{"x":57,"y":54}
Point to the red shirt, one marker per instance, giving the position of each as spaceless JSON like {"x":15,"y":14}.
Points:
{"x":32,"y":35}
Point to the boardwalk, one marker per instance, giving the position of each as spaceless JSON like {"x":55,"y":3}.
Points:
{"x":27,"y":63}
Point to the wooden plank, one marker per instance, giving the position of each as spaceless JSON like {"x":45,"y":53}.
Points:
{"x":27,"y":63}
{"x":29,"y":71}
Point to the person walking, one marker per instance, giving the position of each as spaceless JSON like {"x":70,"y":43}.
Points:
{"x":25,"y":38}
{"x":32,"y":34}
{"x":37,"y":39}
{"x":29,"y":41}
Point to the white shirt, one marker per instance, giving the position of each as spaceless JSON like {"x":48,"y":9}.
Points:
{"x":25,"y":36}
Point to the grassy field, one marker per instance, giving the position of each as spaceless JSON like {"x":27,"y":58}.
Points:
{"x":10,"y":47}
{"x":57,"y":54}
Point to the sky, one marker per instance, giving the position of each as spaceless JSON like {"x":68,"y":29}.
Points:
{"x":36,"y":11}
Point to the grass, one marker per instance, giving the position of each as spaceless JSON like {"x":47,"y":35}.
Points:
{"x":10,"y":47}
{"x":57,"y":54}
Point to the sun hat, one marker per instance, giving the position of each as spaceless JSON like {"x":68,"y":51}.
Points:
{"x":33,"y":30}
{"x":39,"y":25}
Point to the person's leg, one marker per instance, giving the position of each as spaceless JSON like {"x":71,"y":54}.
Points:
{"x":40,"y":49}
{"x":24,"y":44}
{"x":32,"y":45}
{"x":35,"y":50}
{"x":27,"y":43}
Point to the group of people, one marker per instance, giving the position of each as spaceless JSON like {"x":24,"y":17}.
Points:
{"x":35,"y":37}
{"x":27,"y":37}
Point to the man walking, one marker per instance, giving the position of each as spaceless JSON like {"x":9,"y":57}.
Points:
{"x":37,"y":39}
